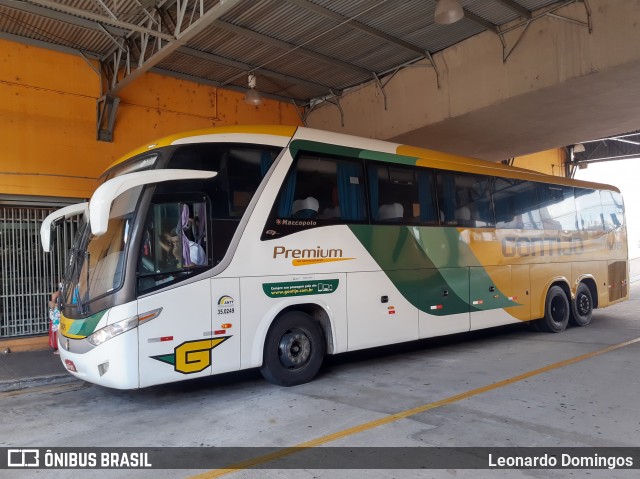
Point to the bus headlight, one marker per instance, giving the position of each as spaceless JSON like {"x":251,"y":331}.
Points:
{"x":112,"y":330}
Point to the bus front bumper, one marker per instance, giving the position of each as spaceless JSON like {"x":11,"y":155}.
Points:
{"x":113,"y":363}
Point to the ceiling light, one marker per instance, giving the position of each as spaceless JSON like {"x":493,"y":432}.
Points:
{"x":578,"y":148}
{"x":252,"y":97}
{"x":448,"y":11}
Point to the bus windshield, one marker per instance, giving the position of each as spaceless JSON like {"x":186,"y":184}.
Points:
{"x":98,"y":265}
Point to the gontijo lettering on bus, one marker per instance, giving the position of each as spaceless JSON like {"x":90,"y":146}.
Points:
{"x":550,"y":246}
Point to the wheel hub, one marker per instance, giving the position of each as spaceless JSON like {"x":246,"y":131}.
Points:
{"x":557,"y":310}
{"x":294,"y":349}
{"x":583,"y":304}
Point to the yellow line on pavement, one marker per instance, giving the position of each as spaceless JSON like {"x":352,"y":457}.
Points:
{"x":404,"y":414}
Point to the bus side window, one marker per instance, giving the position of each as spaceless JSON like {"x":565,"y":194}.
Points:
{"x":515,"y":204}
{"x":557,"y":207}
{"x":612,"y":209}
{"x":402,"y":195}
{"x":465,"y":199}
{"x":589,"y":209}
{"x":173,"y":245}
{"x":323,"y":188}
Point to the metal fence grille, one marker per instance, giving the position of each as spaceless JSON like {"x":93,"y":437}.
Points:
{"x":28,"y":275}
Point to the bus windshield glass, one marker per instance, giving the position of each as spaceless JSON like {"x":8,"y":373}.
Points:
{"x":99,"y":261}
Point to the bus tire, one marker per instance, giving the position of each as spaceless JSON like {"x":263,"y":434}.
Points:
{"x":293,"y":350}
{"x":556,"y":311}
{"x":582,"y":306}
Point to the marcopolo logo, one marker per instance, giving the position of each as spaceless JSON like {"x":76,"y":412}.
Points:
{"x":303,"y":257}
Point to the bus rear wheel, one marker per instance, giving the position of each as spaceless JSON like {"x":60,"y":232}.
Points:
{"x":293,"y":350}
{"x":556,"y":311}
{"x":582,"y":306}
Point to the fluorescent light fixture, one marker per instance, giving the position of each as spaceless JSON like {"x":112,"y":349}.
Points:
{"x":448,"y":11}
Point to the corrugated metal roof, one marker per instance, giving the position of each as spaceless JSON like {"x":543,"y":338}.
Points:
{"x":317,"y":44}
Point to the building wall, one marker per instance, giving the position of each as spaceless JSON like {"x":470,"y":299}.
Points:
{"x":48,"y":119}
{"x":550,"y":162}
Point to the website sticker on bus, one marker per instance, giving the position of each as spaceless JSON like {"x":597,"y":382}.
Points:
{"x":300,"y":288}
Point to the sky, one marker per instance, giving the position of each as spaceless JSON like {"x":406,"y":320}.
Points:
{"x":625,"y":174}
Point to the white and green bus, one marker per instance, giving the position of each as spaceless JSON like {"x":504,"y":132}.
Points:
{"x":270,"y":247}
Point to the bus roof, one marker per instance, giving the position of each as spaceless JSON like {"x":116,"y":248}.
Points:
{"x":395,"y":153}
{"x":196,"y":136}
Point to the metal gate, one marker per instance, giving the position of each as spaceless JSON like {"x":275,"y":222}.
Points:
{"x":28,"y":275}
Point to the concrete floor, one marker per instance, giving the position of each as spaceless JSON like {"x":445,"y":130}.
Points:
{"x":591,"y":402}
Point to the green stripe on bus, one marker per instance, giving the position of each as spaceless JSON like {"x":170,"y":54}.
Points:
{"x":85,"y":327}
{"x":424,"y":263}
{"x":317,"y":147}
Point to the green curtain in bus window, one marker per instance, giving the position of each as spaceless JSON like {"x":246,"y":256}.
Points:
{"x":448,"y":198}
{"x":428,"y":212}
{"x":265,"y":162}
{"x":287,"y":194}
{"x":350,"y":192}
{"x":374,"y":194}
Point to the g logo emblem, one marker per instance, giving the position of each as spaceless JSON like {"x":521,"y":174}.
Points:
{"x":192,"y":356}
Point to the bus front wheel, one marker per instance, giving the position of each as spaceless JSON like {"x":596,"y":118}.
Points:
{"x":556,"y":311}
{"x":293,"y":350}
{"x":582,"y":306}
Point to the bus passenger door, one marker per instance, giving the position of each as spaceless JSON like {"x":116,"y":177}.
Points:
{"x":377,"y":312}
{"x":443,"y":296}
{"x":176,"y":344}
{"x":492,"y":294}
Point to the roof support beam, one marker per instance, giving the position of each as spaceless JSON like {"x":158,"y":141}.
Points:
{"x":182,"y":34}
{"x":215,"y":84}
{"x":63,"y":17}
{"x":146,"y":45}
{"x":306,"y":4}
{"x":106,"y":109}
{"x":245,"y":67}
{"x":550,"y":12}
{"x":245,"y":32}
{"x":101,"y":18}
{"x":481,"y":21}
{"x":516,"y":7}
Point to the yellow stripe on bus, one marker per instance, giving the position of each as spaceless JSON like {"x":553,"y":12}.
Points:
{"x":276,"y":130}
{"x":65,"y":326}
{"x":308,"y":261}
